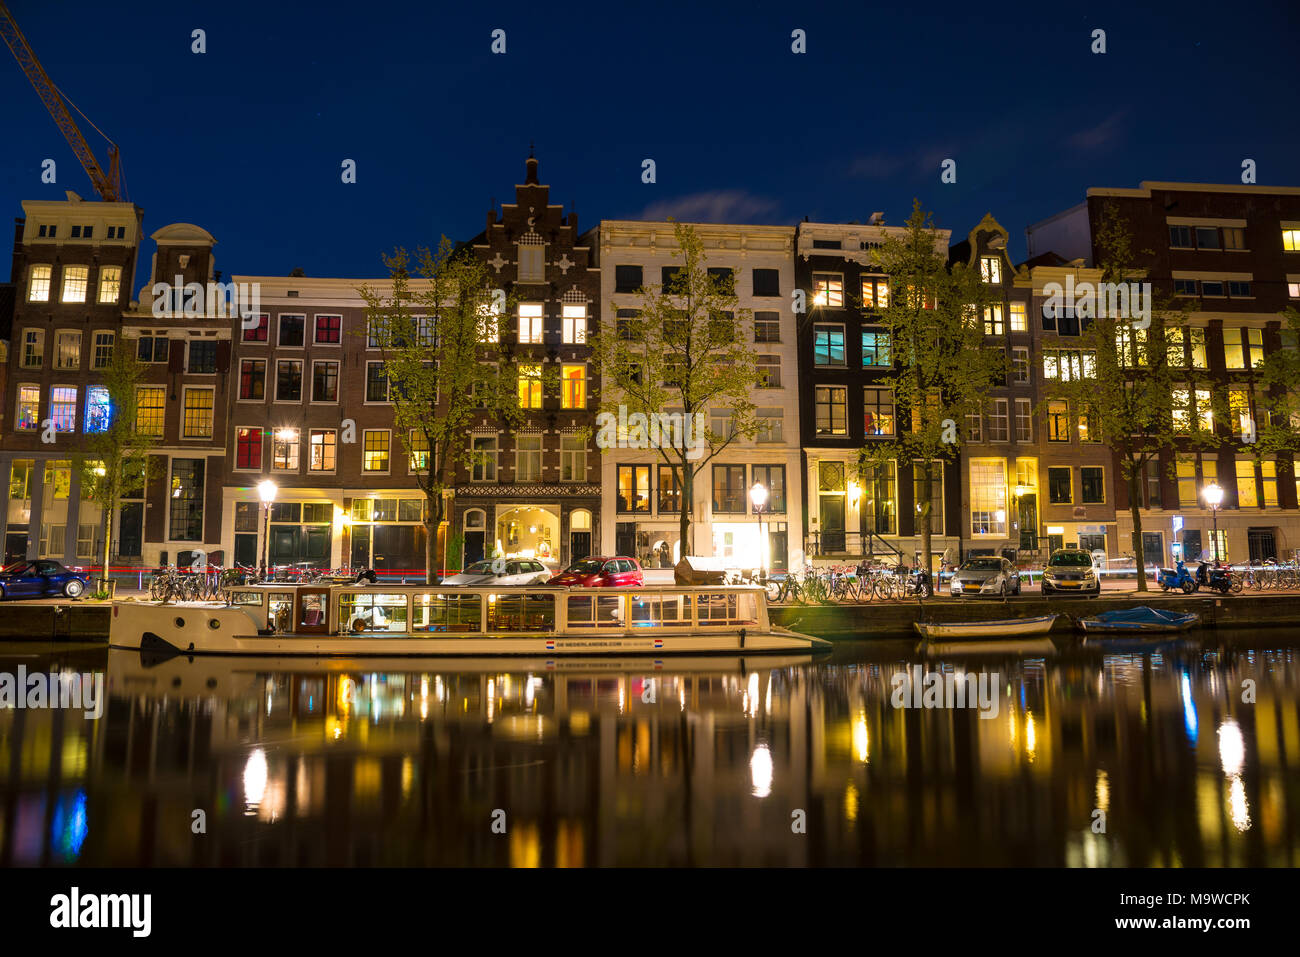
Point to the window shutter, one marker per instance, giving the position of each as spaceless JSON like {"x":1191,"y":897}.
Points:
{"x":223,"y":356}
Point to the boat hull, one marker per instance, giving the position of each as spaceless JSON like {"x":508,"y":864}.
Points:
{"x":1139,"y":621}
{"x":212,"y":629}
{"x":985,"y":630}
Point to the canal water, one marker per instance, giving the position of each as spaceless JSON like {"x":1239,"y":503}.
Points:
{"x":1159,"y":754}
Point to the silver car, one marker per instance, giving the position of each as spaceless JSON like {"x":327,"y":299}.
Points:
{"x":986,"y":575}
{"x":514,"y":571}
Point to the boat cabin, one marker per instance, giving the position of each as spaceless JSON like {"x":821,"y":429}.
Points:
{"x":397,"y":610}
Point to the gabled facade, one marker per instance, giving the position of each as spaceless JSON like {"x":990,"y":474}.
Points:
{"x":73,"y":267}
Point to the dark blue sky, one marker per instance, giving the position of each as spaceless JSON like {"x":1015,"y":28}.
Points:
{"x":247,"y":139}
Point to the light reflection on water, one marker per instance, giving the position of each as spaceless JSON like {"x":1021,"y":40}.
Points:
{"x":697,"y":762}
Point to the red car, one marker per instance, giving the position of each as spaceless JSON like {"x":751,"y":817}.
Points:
{"x":601,"y":573}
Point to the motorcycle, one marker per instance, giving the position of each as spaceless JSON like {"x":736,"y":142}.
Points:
{"x":1178,"y":577}
{"x":1220,"y":579}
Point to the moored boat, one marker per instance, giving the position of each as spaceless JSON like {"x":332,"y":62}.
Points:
{"x":985,"y":630}
{"x":1139,"y":621}
{"x":432,"y":620}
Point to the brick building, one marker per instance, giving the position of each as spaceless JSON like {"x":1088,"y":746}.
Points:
{"x":1232,"y":254}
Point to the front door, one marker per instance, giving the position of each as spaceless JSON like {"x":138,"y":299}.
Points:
{"x":579,"y":546}
{"x":1029,"y":523}
{"x":1153,"y":549}
{"x":473,"y":548}
{"x":130,"y":530}
{"x":15,"y":547}
{"x":832,"y":537}
{"x":360,"y":547}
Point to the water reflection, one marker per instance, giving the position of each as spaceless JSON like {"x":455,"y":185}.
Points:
{"x":698,"y":762}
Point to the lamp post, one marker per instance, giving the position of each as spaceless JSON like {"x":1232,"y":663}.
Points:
{"x":266,"y":490}
{"x":1214,"y":498}
{"x":758,"y":495}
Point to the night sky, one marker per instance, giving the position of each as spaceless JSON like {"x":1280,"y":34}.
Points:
{"x":247,"y":139}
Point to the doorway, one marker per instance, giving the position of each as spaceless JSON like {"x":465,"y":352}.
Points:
{"x":832,"y":514}
{"x":1153,"y":549}
{"x":130,"y":530}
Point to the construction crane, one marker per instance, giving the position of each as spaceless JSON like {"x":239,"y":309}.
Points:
{"x":109,"y":186}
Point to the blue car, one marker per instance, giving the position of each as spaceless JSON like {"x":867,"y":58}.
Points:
{"x":42,"y":578}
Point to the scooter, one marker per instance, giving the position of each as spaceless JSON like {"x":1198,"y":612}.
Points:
{"x":1177,"y":577}
{"x":1220,"y":579}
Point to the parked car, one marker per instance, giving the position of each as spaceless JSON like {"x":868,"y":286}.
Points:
{"x":43,"y":578}
{"x":603,"y":572}
{"x":514,"y":571}
{"x":1070,"y":571}
{"x":985,"y":575}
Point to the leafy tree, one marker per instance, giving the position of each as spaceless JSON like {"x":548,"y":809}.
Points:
{"x":116,"y":460}
{"x":686,"y":353}
{"x":942,"y":368}
{"x":1140,"y":395}
{"x":1277,"y":399}
{"x":439,"y":339}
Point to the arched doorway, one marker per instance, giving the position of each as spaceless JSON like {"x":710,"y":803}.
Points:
{"x":579,"y":534}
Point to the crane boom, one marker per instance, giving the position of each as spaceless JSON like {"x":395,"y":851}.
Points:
{"x":107,"y":185}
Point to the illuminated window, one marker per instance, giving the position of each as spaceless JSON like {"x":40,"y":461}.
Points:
{"x":418,"y":442}
{"x":875,"y":349}
{"x":530,"y":322}
{"x":1058,"y":421}
{"x":110,"y":284}
{"x":38,"y":289}
{"x":1247,"y":495}
{"x":573,"y":382}
{"x":1019,"y":319}
{"x":988,"y":496}
{"x":63,"y":408}
{"x":67,"y":350}
{"x":248,"y":448}
{"x":878,"y":414}
{"x":1291,"y":240}
{"x":198,"y":414}
{"x":375,"y":454}
{"x":1255,"y":347}
{"x":29,"y":408}
{"x":828,"y":289}
{"x":828,"y":345}
{"x":991,"y":269}
{"x":530,"y":387}
{"x":284,"y":450}
{"x":574,"y":323}
{"x":98,"y":409}
{"x":322,"y":450}
{"x":75,"y":280}
{"x":1234,"y":356}
{"x":150,"y":409}
{"x":993,"y":325}
{"x":634,"y":488}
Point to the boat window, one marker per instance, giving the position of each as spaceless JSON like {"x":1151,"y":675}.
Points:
{"x":279,"y":611}
{"x":595,"y":611}
{"x":245,"y":598}
{"x":521,"y":613}
{"x":726,"y":609}
{"x":650,"y":610}
{"x":311,"y":610}
{"x":365,"y":611}
{"x":447,"y":612}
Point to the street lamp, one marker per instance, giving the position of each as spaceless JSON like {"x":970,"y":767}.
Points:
{"x":1214,"y":498}
{"x":266,"y":489}
{"x":758,"y":495}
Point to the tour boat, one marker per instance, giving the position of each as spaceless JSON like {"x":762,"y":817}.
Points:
{"x":972,"y":630}
{"x":432,"y":620}
{"x":1142,"y":620}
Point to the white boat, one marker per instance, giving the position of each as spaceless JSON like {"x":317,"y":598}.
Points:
{"x":432,"y":620}
{"x":1003,"y":628}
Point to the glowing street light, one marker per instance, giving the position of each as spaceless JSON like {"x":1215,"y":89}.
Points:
{"x":758,"y":496}
{"x":1214,"y":498}
{"x":266,"y":490}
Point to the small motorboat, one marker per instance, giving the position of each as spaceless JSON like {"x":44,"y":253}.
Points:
{"x":1141,"y":620}
{"x":985,"y":630}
